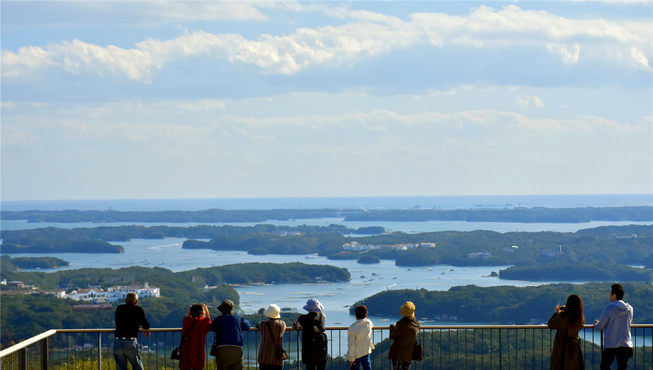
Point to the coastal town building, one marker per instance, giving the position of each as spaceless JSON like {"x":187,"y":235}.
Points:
{"x":113,"y":294}
{"x":355,"y":246}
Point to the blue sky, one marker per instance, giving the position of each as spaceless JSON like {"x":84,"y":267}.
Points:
{"x":154,"y":99}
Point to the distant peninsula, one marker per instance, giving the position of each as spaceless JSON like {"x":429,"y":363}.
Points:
{"x":515,"y":214}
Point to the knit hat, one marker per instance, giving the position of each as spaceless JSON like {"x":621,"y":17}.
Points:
{"x":227,"y":306}
{"x":407,"y":309}
{"x":313,"y":305}
{"x":273,"y":311}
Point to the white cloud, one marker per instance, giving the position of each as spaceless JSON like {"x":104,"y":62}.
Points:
{"x":639,"y":58}
{"x":371,"y":34}
{"x":530,"y":101}
{"x":568,"y":53}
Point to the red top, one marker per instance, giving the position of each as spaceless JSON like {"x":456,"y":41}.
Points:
{"x":192,"y":350}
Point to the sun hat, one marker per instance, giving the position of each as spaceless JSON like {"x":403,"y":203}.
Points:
{"x":273,"y":311}
{"x":313,"y":305}
{"x":407,"y":309}
{"x":227,"y":306}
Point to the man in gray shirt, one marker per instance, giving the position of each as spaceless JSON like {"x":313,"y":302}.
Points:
{"x":615,"y":323}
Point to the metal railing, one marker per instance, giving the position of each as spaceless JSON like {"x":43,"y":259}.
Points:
{"x":445,"y":347}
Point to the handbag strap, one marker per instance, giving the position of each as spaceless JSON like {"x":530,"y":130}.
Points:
{"x":185,"y":337}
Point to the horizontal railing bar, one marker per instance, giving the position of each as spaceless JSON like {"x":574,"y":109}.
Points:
{"x":430,"y":327}
{"x":27,"y":342}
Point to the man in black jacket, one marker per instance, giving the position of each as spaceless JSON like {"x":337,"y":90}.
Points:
{"x":129,"y":319}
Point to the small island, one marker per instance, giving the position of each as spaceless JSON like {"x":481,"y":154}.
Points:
{"x":16,"y":263}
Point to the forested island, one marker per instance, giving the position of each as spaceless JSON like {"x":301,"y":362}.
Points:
{"x":576,"y":271}
{"x":13,"y":264}
{"x":513,"y":214}
{"x":507,"y":304}
{"x":602,"y":253}
{"x":25,"y":315}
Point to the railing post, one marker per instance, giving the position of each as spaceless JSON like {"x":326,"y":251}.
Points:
{"x":299,"y":353}
{"x":99,"y":350}
{"x":22,"y":359}
{"x":44,"y":354}
{"x":500,"y":350}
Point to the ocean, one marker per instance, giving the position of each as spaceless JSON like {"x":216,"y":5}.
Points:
{"x":437,"y":202}
{"x":366,"y":279}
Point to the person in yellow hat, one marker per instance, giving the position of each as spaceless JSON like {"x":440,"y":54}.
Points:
{"x":404,"y":337}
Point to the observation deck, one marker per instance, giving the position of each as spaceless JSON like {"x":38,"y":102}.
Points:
{"x":445,"y":347}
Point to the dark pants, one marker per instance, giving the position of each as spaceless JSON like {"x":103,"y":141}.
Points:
{"x":270,"y":367}
{"x":400,"y":365}
{"x":315,"y":365}
{"x":363,"y":362}
{"x":622,"y":354}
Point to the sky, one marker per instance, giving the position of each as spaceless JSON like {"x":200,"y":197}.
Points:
{"x":158,"y":99}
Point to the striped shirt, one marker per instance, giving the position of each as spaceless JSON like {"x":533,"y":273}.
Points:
{"x":267,"y":353}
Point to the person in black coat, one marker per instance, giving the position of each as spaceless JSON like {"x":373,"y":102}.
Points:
{"x":314,"y":338}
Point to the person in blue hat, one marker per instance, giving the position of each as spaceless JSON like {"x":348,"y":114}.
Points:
{"x":314,"y":338}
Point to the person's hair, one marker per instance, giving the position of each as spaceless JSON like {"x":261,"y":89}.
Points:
{"x":131,"y":298}
{"x":574,"y":310}
{"x":617,"y":290}
{"x":196,"y":310}
{"x":360,"y":312}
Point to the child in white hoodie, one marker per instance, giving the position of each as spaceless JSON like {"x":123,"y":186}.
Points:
{"x":359,"y":339}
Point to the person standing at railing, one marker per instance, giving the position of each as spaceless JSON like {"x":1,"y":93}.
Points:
{"x":359,"y":340}
{"x":194,"y":328}
{"x":228,"y":345}
{"x":271,"y":339}
{"x":404,"y":337}
{"x":314,"y":339}
{"x":568,"y":320}
{"x":615,"y":323}
{"x":129,"y":319}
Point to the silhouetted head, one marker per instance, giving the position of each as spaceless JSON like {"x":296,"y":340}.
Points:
{"x":226,"y":307}
{"x":574,"y":309}
{"x":131,"y":298}
{"x":360,"y":312}
{"x":618,"y":291}
{"x":196,"y":310}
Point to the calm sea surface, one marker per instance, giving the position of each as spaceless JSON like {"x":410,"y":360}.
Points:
{"x":366,"y":279}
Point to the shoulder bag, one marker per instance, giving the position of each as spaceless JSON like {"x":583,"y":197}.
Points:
{"x":176,"y":353}
{"x":418,"y":352}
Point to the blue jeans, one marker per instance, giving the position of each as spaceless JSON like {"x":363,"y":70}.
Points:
{"x":127,"y":351}
{"x":362,"y":361}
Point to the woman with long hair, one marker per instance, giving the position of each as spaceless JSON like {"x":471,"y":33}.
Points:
{"x":568,"y":320}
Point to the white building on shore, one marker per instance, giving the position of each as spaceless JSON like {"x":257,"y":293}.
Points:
{"x":113,"y":294}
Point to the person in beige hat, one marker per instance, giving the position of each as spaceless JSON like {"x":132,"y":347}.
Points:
{"x":271,"y":339}
{"x":404,"y":337}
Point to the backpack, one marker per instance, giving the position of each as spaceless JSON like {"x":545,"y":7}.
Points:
{"x":318,"y":337}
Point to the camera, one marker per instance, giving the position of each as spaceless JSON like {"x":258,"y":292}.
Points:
{"x":562,"y":308}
